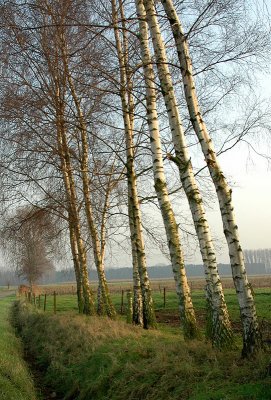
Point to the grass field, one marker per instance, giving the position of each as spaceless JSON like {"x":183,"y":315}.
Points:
{"x":15,"y":380}
{"x":168,"y":315}
{"x":89,"y":358}
{"x":115,"y":286}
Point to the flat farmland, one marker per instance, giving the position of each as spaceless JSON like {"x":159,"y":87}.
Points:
{"x":96,"y":358}
{"x":116,"y":286}
{"x":165,"y":300}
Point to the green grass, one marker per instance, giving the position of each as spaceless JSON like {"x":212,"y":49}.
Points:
{"x":94,"y":358}
{"x":15,"y":380}
{"x":262,"y":298}
{"x":168,"y":317}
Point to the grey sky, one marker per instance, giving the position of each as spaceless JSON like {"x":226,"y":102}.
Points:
{"x":250,"y":179}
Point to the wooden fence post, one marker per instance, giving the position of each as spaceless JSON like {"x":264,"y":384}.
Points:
{"x":164,"y":297}
{"x":29,"y":297}
{"x":54,"y":302}
{"x":44,"y":304}
{"x":39,"y":301}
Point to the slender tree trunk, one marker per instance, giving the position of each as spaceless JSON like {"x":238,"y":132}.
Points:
{"x":88,"y":301}
{"x":57,"y":90}
{"x":183,"y":291}
{"x":251,"y":333}
{"x":101,"y":309}
{"x":100,"y":303}
{"x":137,"y":296}
{"x":137,"y":237}
{"x":218,"y":323}
{"x":66,"y":169}
{"x":96,"y":244}
{"x":77,"y":269}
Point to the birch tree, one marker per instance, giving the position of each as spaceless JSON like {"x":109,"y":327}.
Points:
{"x":251,"y":332}
{"x":28,"y":239}
{"x":133,"y":203}
{"x":84,"y":164}
{"x":41,"y":81}
{"x":67,"y":173}
{"x":182,"y":288}
{"x":60,"y":82}
{"x":218,"y":324}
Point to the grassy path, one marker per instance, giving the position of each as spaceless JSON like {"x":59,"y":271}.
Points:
{"x":15,"y":380}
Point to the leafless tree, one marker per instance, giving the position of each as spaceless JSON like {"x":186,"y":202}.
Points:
{"x":29,"y":239}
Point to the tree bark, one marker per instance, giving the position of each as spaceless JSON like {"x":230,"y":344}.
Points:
{"x":137,"y":296}
{"x":251,"y":332}
{"x":182,"y":288}
{"x":57,"y":92}
{"x":104,"y":297}
{"x":77,"y":269}
{"x":67,"y":173}
{"x":218,"y":324}
{"x":136,"y":236}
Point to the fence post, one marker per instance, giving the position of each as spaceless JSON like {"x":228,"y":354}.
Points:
{"x":129,"y":317}
{"x":164,"y":297}
{"x":54,"y":302}
{"x":121,"y":306}
{"x":29,"y":297}
{"x":39,"y":300}
{"x":44,"y":304}
{"x":34,"y":299}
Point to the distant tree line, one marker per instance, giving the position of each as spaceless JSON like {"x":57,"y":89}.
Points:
{"x":258,"y":256}
{"x":124,"y":273}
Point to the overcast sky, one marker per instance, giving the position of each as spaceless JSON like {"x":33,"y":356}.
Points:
{"x":250,"y":179}
{"x":251,"y":183}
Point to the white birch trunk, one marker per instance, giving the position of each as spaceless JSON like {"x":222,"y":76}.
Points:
{"x":136,"y":235}
{"x":218,"y":323}
{"x":137,"y":296}
{"x":171,"y":227}
{"x":251,"y":334}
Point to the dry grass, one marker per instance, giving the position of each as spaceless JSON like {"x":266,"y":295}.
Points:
{"x":157,"y":285}
{"x":94,"y":358}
